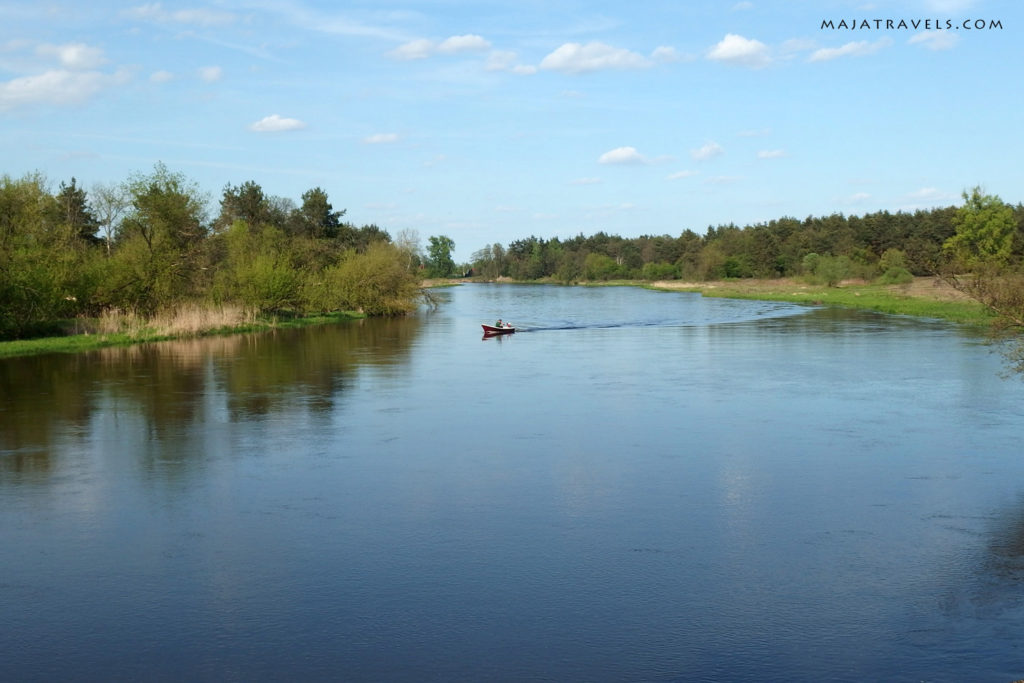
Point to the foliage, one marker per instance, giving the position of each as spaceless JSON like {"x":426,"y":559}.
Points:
{"x":439,"y":256}
{"x":659,"y":271}
{"x":257,"y":270}
{"x":375,"y":283}
{"x":986,"y":247}
{"x":828,"y":270}
{"x":47,"y":266}
{"x":160,"y":241}
{"x":763,"y":250}
{"x":316,"y":217}
{"x":985,"y":230}
{"x":145,"y":247}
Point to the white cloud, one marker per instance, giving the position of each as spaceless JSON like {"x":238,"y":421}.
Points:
{"x":678,"y":175}
{"x":771,"y":154}
{"x":210,"y":74}
{"x":276,"y":124}
{"x":466,"y":43}
{"x":161,"y":76}
{"x":935,"y":40}
{"x":858,"y":198}
{"x":742,"y":6}
{"x":735,"y":49}
{"x":381,"y":138}
{"x":414,"y":49}
{"x":667,"y":55}
{"x":723,"y":180}
{"x":859,"y":48}
{"x":505,"y":60}
{"x":925,"y":193}
{"x":709,"y":150}
{"x":421,"y":48}
{"x":622,"y":155}
{"x":500,"y":60}
{"x":155,"y":12}
{"x":574,"y":58}
{"x":74,"y":55}
{"x":585,"y":181}
{"x":58,"y":87}
{"x":203,"y":17}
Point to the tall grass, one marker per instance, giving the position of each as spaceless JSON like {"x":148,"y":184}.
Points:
{"x":123,"y":328}
{"x":186,"y":320}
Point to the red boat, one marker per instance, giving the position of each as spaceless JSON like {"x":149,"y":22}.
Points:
{"x":492,"y":329}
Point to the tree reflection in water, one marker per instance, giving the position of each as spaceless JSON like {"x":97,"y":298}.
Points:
{"x":178,"y":389}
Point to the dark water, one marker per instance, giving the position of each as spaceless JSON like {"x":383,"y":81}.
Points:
{"x":637,"y":486}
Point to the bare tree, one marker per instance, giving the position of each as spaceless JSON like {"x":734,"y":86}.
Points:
{"x":109,"y":203}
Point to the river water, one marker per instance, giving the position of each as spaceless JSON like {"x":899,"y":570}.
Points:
{"x":635,"y":486}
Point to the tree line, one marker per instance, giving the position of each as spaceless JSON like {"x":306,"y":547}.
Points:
{"x":978,"y":248}
{"x":894,"y":246}
{"x":148,"y":244}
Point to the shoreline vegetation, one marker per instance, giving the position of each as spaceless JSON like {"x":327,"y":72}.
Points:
{"x":71,"y":266}
{"x":186,"y":322}
{"x":925,"y":297}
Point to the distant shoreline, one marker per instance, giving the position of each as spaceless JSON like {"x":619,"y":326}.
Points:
{"x":925,"y":297}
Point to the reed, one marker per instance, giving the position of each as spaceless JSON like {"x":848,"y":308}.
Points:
{"x":124,"y":328}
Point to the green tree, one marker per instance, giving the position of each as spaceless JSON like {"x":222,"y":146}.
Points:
{"x":985,"y":228}
{"x":316,"y":218}
{"x":245,"y":202}
{"x":158,"y":261}
{"x":439,"y":256}
{"x":257,"y":270}
{"x":893,"y":265}
{"x":74,"y":212}
{"x":375,"y":282}
{"x":599,"y":267}
{"x":47,"y":272}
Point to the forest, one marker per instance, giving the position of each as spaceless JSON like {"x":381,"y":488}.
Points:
{"x":891,"y":246}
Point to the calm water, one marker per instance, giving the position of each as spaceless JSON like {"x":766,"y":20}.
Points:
{"x":638,"y":486}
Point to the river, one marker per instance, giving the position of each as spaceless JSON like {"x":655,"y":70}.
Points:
{"x":635,"y":486}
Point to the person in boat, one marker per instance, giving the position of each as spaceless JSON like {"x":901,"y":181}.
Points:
{"x":498,"y":324}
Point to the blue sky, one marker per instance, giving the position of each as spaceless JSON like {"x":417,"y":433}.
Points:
{"x":496,"y":120}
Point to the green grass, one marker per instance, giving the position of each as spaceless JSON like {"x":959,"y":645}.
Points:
{"x":879,"y":298}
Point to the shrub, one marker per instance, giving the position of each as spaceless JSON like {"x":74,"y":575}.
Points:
{"x":659,"y":271}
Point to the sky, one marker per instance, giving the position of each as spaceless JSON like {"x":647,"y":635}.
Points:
{"x":496,"y":120}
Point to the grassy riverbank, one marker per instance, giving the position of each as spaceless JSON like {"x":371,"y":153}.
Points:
{"x":925,"y":297}
{"x":182,"y":323}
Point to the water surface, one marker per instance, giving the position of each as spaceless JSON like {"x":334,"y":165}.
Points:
{"x":636,"y":486}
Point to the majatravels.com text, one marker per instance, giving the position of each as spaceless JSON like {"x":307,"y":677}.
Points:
{"x":911,"y":24}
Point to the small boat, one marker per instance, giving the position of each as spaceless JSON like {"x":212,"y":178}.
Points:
{"x":493,"y":329}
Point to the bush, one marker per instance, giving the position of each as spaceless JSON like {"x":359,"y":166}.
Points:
{"x":826,"y":270}
{"x":896,"y":276}
{"x":659,"y":271}
{"x":375,"y":283}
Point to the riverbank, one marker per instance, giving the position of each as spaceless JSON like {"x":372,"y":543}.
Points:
{"x":924,"y":297}
{"x":100,"y":334}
